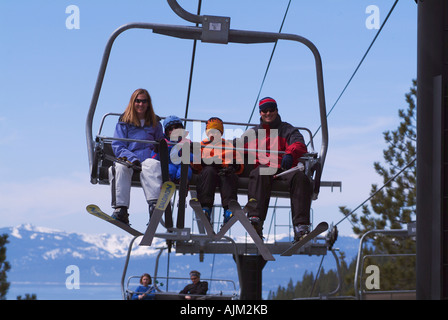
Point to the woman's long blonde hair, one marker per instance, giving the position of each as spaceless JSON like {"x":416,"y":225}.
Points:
{"x":130,"y":116}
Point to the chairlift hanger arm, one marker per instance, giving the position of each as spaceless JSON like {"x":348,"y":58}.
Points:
{"x":184,"y":14}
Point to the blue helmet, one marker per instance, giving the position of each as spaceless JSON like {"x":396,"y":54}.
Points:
{"x":171,"y":120}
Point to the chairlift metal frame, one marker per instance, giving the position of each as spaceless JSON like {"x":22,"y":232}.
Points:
{"x":214,"y":29}
{"x":360,"y":293}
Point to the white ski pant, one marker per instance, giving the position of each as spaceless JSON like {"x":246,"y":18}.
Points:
{"x":120,"y":178}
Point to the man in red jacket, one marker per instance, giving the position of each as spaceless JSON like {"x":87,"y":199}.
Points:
{"x":275,"y":135}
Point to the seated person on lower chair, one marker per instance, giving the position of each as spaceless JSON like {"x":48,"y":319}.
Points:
{"x":197,"y":287}
{"x":220,"y":166}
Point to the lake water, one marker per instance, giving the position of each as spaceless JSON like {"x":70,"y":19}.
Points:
{"x":58,"y":291}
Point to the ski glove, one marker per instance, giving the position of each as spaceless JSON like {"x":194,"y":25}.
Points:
{"x":228,"y":170}
{"x":137,"y":166}
{"x":287,"y":162}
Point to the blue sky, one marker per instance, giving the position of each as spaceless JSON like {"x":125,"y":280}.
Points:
{"x":48,"y":73}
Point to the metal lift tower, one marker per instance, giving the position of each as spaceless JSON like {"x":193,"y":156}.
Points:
{"x":432,"y":150}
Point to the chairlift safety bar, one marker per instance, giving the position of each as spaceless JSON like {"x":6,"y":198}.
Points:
{"x":99,"y":136}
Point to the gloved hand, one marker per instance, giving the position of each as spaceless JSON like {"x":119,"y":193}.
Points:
{"x":136,"y":165}
{"x":287,"y":162}
{"x":228,"y":170}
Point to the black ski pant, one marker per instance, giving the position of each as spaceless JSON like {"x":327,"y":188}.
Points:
{"x":209,"y":179}
{"x":300,"y":192}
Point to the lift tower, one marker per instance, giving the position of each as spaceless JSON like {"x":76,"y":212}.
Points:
{"x":432,"y":150}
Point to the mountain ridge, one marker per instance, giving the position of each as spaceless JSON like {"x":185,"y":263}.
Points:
{"x":42,"y":255}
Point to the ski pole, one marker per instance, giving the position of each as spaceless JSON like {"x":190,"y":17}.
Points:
{"x":299,"y":166}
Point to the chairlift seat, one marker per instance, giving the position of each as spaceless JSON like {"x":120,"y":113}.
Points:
{"x":177,"y":296}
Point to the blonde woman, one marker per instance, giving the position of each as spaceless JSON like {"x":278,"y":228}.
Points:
{"x":138,"y":122}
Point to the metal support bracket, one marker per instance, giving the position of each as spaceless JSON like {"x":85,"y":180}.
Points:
{"x":215,"y":29}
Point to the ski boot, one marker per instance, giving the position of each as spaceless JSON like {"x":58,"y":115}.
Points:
{"x":121,"y":214}
{"x":257,"y":224}
{"x":151,"y":207}
{"x":300,"y":231}
{"x":208,"y":213}
{"x":227,"y":216}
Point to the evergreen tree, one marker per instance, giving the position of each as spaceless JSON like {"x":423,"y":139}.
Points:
{"x":4,"y":267}
{"x":27,"y":297}
{"x":391,"y":207}
{"x":394,"y":206}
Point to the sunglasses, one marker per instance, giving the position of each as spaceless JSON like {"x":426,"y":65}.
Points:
{"x":141,"y":100}
{"x":268,"y":110}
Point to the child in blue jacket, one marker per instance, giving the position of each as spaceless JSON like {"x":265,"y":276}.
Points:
{"x":145,"y":291}
{"x":170,"y":124}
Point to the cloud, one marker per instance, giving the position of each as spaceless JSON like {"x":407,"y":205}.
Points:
{"x":373,"y":125}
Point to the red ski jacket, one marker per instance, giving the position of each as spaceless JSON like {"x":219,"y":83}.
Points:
{"x":263,"y":137}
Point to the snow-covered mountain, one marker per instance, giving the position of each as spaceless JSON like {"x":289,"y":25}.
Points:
{"x":42,"y":255}
{"x":54,"y":244}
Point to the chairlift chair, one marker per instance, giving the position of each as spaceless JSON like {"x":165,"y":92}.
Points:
{"x":210,"y":29}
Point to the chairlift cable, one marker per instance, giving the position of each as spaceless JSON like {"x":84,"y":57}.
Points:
{"x":193,"y":56}
{"x":269,"y":64}
{"x":384,"y":185}
{"x":359,"y":64}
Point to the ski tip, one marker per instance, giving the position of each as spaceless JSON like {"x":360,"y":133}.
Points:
{"x":324,"y":225}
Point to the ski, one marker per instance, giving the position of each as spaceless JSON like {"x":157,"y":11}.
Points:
{"x":183,"y":191}
{"x":321,"y":227}
{"x":96,"y":211}
{"x":164,"y":160}
{"x":163,"y":201}
{"x":205,"y":223}
{"x":251,"y":204}
{"x":238,"y":213}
